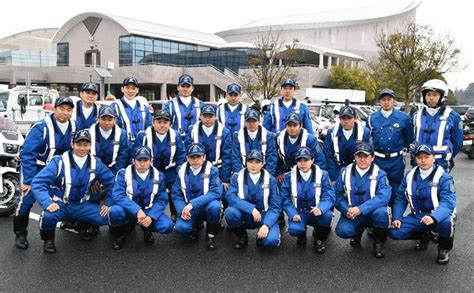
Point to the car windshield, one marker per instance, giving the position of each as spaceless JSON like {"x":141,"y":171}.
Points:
{"x":7,"y":124}
{"x":3,"y":101}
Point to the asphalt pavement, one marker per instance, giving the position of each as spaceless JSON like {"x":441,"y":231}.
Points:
{"x":175,"y":264}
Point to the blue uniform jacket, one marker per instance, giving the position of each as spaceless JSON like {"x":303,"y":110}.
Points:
{"x":446,"y":197}
{"x":269,"y":118}
{"x":52,"y":176}
{"x":209,"y":143}
{"x":188,"y":114}
{"x":202,"y":200}
{"x":104,"y":149}
{"x":81,"y":121}
{"x":135,"y":116}
{"x":327,"y":193}
{"x":274,"y":201}
{"x":390,"y":134}
{"x":232,"y":118}
{"x":383,"y":192}
{"x":142,"y":190}
{"x":36,"y":148}
{"x":270,"y":154}
{"x":285,"y":165}
{"x":347,"y":149}
{"x":162,"y":154}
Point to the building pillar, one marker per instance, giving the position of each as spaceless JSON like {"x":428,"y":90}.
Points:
{"x":212,"y":93}
{"x":329,"y":61}
{"x":163,"y":88}
{"x":321,"y":61}
{"x":352,"y":64}
{"x":337,"y":61}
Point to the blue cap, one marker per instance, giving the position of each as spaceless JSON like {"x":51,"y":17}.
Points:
{"x":162,"y":114}
{"x":196,"y":149}
{"x":293,"y":117}
{"x":106,"y":110}
{"x":255,"y":155}
{"x":233,"y":88}
{"x":424,"y":148}
{"x":82,"y":135}
{"x":185,"y":79}
{"x":89,"y":86}
{"x":347,"y":111}
{"x":142,"y":152}
{"x":289,"y":81}
{"x":63,"y":100}
{"x":364,"y":147}
{"x":386,"y":92}
{"x":208,"y":109}
{"x":304,"y":152}
{"x":130,"y":80}
{"x":252,"y":114}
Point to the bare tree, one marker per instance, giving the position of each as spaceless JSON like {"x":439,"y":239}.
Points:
{"x":410,"y":57}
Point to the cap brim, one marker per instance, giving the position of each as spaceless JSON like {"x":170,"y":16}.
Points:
{"x":363,"y":152}
{"x":233,"y":92}
{"x":303,"y":157}
{"x":81,"y":139}
{"x":62,"y":103}
{"x":293,"y":121}
{"x":134,"y":83}
{"x":142,"y":157}
{"x":183,"y":83}
{"x":426,"y":152}
{"x":348,"y":115}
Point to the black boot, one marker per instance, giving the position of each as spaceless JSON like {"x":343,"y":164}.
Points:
{"x":281,"y":220}
{"x":119,"y":233}
{"x":301,"y":240}
{"x":148,"y":236}
{"x":211,"y":232}
{"x":424,"y":240}
{"x":355,"y":241}
{"x":320,"y":235}
{"x":82,"y":230}
{"x":194,"y":235}
{"x":380,"y":236}
{"x":242,"y":237}
{"x":444,"y":247}
{"x":48,"y":237}
{"x":20,"y":225}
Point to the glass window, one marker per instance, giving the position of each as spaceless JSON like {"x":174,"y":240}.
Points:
{"x":62,"y":54}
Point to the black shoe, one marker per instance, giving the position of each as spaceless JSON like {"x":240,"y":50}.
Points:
{"x":93,"y":231}
{"x":356,"y":240}
{"x":194,"y":235}
{"x":443,"y":256}
{"x":378,"y":250}
{"x":424,"y":242}
{"x":20,"y":240}
{"x":242,"y":242}
{"x":67,"y":225}
{"x":370,"y":232}
{"x":210,"y":243}
{"x":49,"y":246}
{"x":301,"y":240}
{"x":434,"y":237}
{"x":119,"y":242}
{"x":84,"y":234}
{"x":319,"y":246}
{"x":281,"y":220}
{"x":148,"y":237}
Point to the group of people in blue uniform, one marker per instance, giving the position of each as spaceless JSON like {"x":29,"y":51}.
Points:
{"x":121,"y":166}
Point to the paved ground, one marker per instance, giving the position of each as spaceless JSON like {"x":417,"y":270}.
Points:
{"x":174,"y":264}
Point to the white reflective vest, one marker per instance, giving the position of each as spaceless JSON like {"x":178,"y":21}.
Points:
{"x":222,"y":114}
{"x":335,"y":138}
{"x":347,"y":181}
{"x":281,"y":141}
{"x":182,"y":178}
{"x":265,"y":186}
{"x":177,"y":110}
{"x":276,"y":107}
{"x":218,"y":138}
{"x":241,"y":139}
{"x":67,"y":176}
{"x":129,"y":184}
{"x":434,"y":187}
{"x":439,"y":147}
{"x":49,"y":129}
{"x":294,"y":185}
{"x":126,"y":120}
{"x":116,"y":142}
{"x":148,"y":141}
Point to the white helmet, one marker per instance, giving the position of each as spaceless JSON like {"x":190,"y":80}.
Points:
{"x":435,"y":85}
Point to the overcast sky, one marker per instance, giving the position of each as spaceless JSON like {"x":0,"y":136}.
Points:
{"x":452,"y":17}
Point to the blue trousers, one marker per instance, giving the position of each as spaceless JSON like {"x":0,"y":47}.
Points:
{"x":236,"y":218}
{"x":119,"y":216}
{"x":26,"y":201}
{"x":82,"y":212}
{"x":210,"y":213}
{"x":346,"y":228}
{"x":411,"y":224}
{"x":395,"y":169}
{"x":307,"y":218}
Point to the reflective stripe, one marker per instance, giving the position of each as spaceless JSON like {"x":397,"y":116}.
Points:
{"x":222,"y":111}
{"x":148,"y":141}
{"x":68,"y":179}
{"x":434,"y":187}
{"x":281,"y":141}
{"x":347,"y":174}
{"x":177,"y":110}
{"x":126,"y":120}
{"x":294,"y":185}
{"x":276,"y":106}
{"x":52,"y":139}
{"x":241,"y":139}
{"x":335,"y":138}
{"x":116,"y":142}
{"x":182,"y":175}
{"x":442,"y":127}
{"x":129,"y":184}
{"x":265,"y":186}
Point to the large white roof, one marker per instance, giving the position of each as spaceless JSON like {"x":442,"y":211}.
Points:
{"x":146,"y":28}
{"x":331,"y":18}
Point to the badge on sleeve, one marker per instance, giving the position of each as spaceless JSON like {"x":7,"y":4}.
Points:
{"x":451,"y":187}
{"x":460,"y":126}
{"x":396,"y":125}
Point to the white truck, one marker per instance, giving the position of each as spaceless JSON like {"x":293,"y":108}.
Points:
{"x":25,"y":105}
